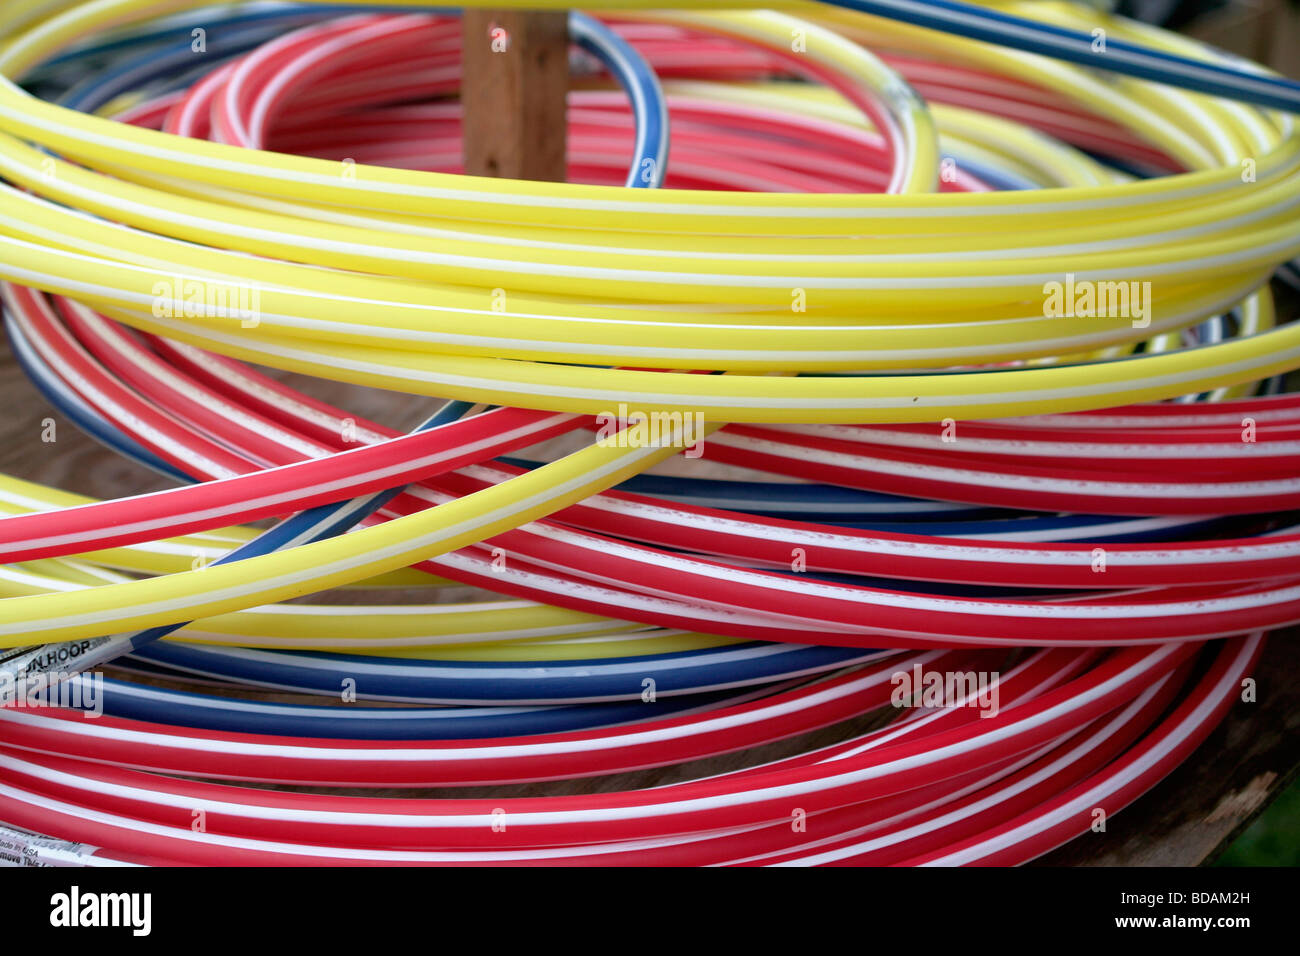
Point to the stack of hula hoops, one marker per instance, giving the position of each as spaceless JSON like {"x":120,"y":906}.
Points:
{"x":956,"y":327}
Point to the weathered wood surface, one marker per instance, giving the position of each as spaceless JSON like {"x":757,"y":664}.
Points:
{"x":1186,"y":820}
{"x":513,"y":86}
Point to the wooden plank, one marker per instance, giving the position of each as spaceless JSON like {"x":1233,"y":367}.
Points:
{"x":515,"y":76}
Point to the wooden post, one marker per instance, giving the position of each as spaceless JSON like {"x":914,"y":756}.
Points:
{"x":515,"y":75}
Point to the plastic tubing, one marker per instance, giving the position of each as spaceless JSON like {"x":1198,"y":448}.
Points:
{"x":1099,"y":201}
{"x":1039,"y":760}
{"x":650,"y":571}
{"x":1034,"y":723}
{"x":655,"y":566}
{"x":651,"y":146}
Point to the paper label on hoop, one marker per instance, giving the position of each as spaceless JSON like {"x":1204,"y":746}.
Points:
{"x":23,"y":848}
